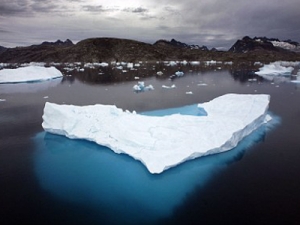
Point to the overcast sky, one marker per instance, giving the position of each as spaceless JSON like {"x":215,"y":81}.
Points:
{"x":214,"y":23}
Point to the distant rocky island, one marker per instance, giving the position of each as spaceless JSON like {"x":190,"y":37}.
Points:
{"x":261,"y":49}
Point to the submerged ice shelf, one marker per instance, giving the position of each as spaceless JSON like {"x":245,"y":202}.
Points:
{"x":162,"y":142}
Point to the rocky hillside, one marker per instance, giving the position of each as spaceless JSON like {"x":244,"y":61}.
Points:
{"x":248,"y":44}
{"x":67,"y":42}
{"x":179,"y":44}
{"x":115,"y":49}
{"x":2,"y":49}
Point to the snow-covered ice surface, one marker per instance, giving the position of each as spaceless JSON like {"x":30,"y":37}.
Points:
{"x":29,"y":74}
{"x":162,"y":142}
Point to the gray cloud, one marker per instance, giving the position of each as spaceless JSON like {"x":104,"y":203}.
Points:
{"x":208,"y":22}
{"x":4,"y":31}
{"x":140,"y":10}
{"x":13,"y":7}
{"x":43,"y":6}
{"x":97,"y":8}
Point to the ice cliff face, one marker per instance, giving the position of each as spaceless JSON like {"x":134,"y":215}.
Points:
{"x":162,"y":142}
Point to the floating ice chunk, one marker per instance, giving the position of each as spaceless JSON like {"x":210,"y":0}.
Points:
{"x":189,"y":92}
{"x":211,"y":62}
{"x":169,"y":87}
{"x":29,"y":74}
{"x":129,"y":65}
{"x":162,"y":142}
{"x":2,"y":100}
{"x":195,"y":63}
{"x":179,"y":73}
{"x":103,"y":64}
{"x":172,"y":63}
{"x":275,"y":68}
{"x":140,"y":87}
{"x":42,"y":64}
{"x":252,"y":79}
{"x":159,"y":73}
{"x":184,"y":62}
{"x":258,"y":64}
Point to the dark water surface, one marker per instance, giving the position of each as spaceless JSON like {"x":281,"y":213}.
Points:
{"x":48,"y":179}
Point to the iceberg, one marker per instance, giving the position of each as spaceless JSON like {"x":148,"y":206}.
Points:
{"x":275,"y":69}
{"x":162,"y":142}
{"x":29,"y":74}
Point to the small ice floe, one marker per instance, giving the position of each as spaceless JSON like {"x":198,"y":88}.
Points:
{"x":189,"y":92}
{"x":81,"y":70}
{"x":179,"y":73}
{"x":211,"y":62}
{"x":46,"y":97}
{"x":136,"y":78}
{"x":103,"y":64}
{"x":140,"y":87}
{"x":169,"y":87}
{"x":159,"y":73}
{"x":119,"y":67}
{"x":129,"y":65}
{"x":252,"y":80}
{"x":258,"y":64}
{"x":172,"y":63}
{"x":89,"y":65}
{"x":68,"y":69}
{"x":202,"y":84}
{"x":184,"y":62}
{"x":195,"y":63}
{"x":2,"y":100}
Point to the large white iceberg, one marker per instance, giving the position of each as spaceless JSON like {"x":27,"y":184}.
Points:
{"x":29,"y":74}
{"x":275,"y":69}
{"x":162,"y":142}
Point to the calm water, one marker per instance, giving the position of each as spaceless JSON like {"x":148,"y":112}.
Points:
{"x":48,"y":179}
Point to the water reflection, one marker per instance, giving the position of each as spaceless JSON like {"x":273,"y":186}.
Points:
{"x":119,"y":189}
{"x":29,"y":87}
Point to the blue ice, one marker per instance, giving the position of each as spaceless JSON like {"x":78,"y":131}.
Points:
{"x":121,"y":188}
